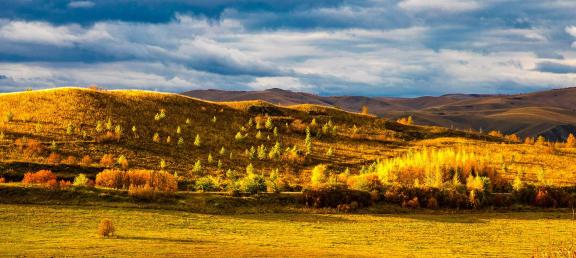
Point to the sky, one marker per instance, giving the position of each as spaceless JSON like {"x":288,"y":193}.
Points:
{"x":402,"y":48}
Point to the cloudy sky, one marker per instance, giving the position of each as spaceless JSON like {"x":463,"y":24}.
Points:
{"x":329,"y":47}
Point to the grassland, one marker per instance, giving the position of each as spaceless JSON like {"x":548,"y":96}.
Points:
{"x":38,"y":230}
{"x":445,"y":190}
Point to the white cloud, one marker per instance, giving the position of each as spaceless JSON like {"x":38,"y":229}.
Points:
{"x":440,"y":5}
{"x":81,"y":4}
{"x":291,"y":83}
{"x":45,"y":33}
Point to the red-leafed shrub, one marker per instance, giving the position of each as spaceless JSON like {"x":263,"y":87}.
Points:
{"x":2,"y":180}
{"x":107,"y":160}
{"x":157,"y":180}
{"x":53,"y":158}
{"x":64,"y":184}
{"x":86,"y":160}
{"x":42,"y":177}
{"x":70,"y":160}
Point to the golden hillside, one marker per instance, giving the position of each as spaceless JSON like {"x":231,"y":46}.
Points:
{"x":149,"y":127}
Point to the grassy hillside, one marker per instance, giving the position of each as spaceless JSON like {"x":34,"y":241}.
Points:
{"x":548,"y":113}
{"x":49,"y":114}
{"x":70,"y":131}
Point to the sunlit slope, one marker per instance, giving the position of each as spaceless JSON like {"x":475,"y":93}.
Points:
{"x":69,"y":117}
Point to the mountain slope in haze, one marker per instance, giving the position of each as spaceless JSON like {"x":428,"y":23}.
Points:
{"x":551,"y":114}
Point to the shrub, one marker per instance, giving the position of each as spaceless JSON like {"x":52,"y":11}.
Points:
{"x":157,"y":180}
{"x":106,"y":229}
{"x":42,"y":177}
{"x":107,"y":160}
{"x":142,"y":192}
{"x":206,"y":184}
{"x":8,"y":117}
{"x":33,"y":147}
{"x":70,"y":160}
{"x":432,"y":203}
{"x":123,"y":162}
{"x":53,"y":158}
{"x":319,"y":176}
{"x":86,"y":160}
{"x":81,"y":180}
{"x":413,"y":203}
{"x":2,"y":180}
{"x":64,"y":184}
{"x":252,"y":183}
{"x":333,"y":196}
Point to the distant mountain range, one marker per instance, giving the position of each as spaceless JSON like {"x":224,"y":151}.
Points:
{"x":551,"y":114}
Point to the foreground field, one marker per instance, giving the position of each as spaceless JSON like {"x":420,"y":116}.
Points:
{"x":35,"y":230}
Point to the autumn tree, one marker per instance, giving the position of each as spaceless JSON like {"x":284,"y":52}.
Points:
{"x":571,"y":141}
{"x":308,"y":142}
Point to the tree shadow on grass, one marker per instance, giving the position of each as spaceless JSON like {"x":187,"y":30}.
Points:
{"x":164,"y":239}
{"x":294,"y":217}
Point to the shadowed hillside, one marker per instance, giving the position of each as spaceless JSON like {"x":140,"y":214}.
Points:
{"x":548,"y":113}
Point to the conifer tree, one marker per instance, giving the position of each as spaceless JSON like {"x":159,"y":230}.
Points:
{"x":571,"y":141}
{"x":156,"y":137}
{"x":308,"y":142}
{"x":222,"y":151}
{"x":197,"y":142}
{"x":269,"y":125}
{"x":99,"y":127}
{"x":197,"y":167}
{"x":210,"y":158}
{"x":109,"y":124}
{"x":178,"y":130}
{"x":123,"y":162}
{"x":180,"y":141}
{"x":262,"y":152}
{"x":276,"y":132}
{"x":329,"y":153}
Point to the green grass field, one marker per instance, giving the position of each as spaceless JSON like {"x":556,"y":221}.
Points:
{"x":50,"y":230}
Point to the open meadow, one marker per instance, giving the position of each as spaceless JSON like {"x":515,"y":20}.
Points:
{"x":53,"y":230}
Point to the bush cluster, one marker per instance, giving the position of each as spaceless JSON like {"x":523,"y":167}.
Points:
{"x":156,"y":180}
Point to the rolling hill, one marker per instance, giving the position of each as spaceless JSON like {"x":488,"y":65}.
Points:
{"x":551,"y":114}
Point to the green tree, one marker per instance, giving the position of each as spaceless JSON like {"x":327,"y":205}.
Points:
{"x":80,"y":180}
{"x":239,"y":136}
{"x":180,"y":141}
{"x":214,"y":119}
{"x":308,"y":142}
{"x":571,"y":141}
{"x":250,"y":169}
{"x":99,"y":127}
{"x":329,"y":152}
{"x":178,"y":130}
{"x":109,"y":124}
{"x":275,"y":151}
{"x":259,"y":135}
{"x":163,"y":164}
{"x":156,"y":137}
{"x":210,"y":158}
{"x":222,"y":151}
{"x":118,"y":131}
{"x":319,"y":176}
{"x":197,"y":167}
{"x":9,"y":117}
{"x":69,"y":129}
{"x":262,"y":152}
{"x":123,"y":162}
{"x":276,"y":132}
{"x":197,"y":142}
{"x":269,"y":125}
